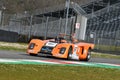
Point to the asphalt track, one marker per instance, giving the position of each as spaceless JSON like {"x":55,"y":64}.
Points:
{"x":12,"y":55}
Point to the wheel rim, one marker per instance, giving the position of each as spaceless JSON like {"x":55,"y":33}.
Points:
{"x":89,"y":54}
{"x":69,"y":56}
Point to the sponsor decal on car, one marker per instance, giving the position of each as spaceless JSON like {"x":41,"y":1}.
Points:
{"x":51,"y":44}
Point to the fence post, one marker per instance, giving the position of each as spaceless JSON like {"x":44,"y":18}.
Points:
{"x":31,"y":20}
{"x":60,"y":25}
{"x":67,"y":14}
{"x":46,"y":32}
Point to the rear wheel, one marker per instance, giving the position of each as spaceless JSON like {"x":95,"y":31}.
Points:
{"x":88,"y":55}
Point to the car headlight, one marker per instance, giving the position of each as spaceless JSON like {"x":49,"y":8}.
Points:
{"x":62,"y":50}
{"x":31,"y":46}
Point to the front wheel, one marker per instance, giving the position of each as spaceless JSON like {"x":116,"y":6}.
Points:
{"x":31,"y":54}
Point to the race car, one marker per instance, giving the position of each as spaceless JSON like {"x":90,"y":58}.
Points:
{"x":61,"y":48}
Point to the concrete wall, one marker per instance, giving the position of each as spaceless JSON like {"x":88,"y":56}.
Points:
{"x":8,"y":36}
{"x":80,"y":27}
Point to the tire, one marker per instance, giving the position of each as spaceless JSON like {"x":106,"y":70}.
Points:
{"x":88,"y":56}
{"x":31,"y":54}
{"x":69,"y":53}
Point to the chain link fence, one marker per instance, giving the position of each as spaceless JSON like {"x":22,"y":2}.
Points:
{"x":31,"y":26}
{"x":103,"y":29}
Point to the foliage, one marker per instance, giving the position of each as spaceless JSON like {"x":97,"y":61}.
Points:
{"x":18,"y":6}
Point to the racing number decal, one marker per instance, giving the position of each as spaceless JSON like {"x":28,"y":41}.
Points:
{"x":75,"y":49}
{"x":78,"y":49}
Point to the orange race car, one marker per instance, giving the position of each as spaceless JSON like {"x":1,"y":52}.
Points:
{"x":61,"y":48}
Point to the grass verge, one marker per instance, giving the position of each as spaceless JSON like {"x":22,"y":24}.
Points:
{"x":101,"y":55}
{"x":45,"y":72}
{"x":13,"y":46}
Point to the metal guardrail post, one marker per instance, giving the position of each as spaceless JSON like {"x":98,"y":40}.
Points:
{"x":31,"y":20}
{"x":67,"y":5}
{"x":46,"y":32}
{"x":60,"y":25}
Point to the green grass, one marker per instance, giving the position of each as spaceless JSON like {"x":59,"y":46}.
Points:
{"x":108,"y":47}
{"x":101,"y":55}
{"x":45,"y":72}
{"x":13,"y":46}
{"x":12,"y":49}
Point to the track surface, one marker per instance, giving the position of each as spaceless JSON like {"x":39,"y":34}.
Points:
{"x":23,"y":55}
